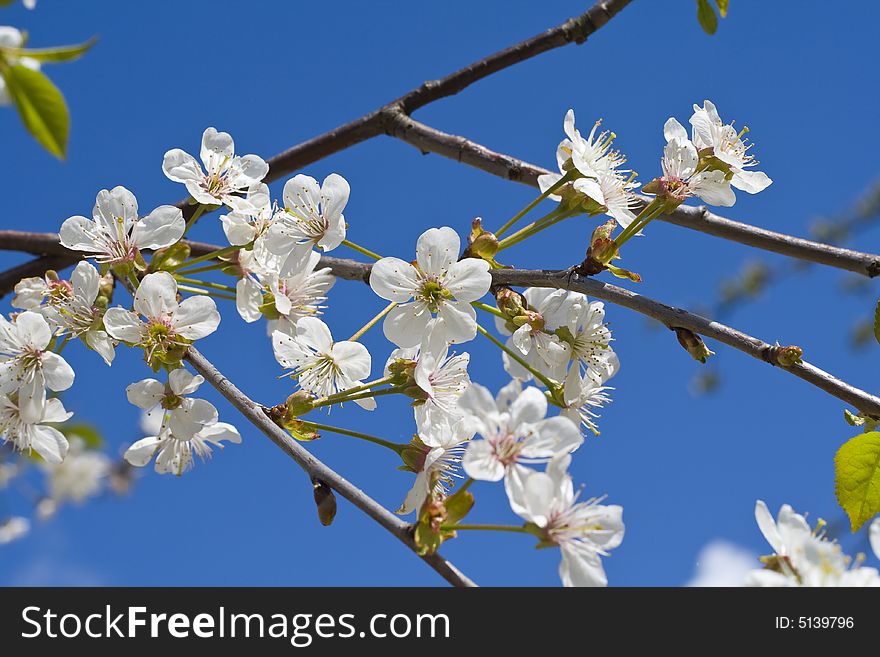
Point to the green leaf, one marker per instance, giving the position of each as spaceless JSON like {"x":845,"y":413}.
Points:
{"x":41,"y":107}
{"x":54,"y":54}
{"x":877,"y":322}
{"x":722,"y":7}
{"x":87,"y":432}
{"x":706,"y":16}
{"x":857,"y":477}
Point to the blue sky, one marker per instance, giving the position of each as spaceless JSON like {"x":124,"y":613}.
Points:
{"x":687,"y":470}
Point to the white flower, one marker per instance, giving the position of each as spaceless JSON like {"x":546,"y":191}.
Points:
{"x":442,"y":444}
{"x":582,"y":327}
{"x":720,"y":563}
{"x":584,"y":531}
{"x":515,"y":433}
{"x":723,"y":141}
{"x":442,"y":378}
{"x":174,"y":455}
{"x":170,"y":325}
{"x":14,"y":528}
{"x":80,"y":476}
{"x":322,"y":367}
{"x":805,"y":557}
{"x":185,"y":416}
{"x":438,"y":284}
{"x":32,"y":434}
{"x":11,"y":37}
{"x":26,"y":367}
{"x":293,"y":297}
{"x":312,"y":218}
{"x":227,"y":175}
{"x":595,"y":160}
{"x":583,"y":395}
{"x":681,"y":178}
{"x":115,"y":235}
{"x":245,"y":227}
{"x":70,"y":307}
{"x":8,"y":472}
{"x":538,"y":344}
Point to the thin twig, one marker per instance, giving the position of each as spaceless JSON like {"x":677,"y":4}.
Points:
{"x":318,"y":470}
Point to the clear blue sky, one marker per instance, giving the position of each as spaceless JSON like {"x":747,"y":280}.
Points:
{"x":687,"y":470}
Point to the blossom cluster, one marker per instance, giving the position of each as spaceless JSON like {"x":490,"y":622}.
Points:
{"x":555,"y":345}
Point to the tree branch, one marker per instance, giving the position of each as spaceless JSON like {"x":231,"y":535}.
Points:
{"x":461,"y":149}
{"x":669,"y":315}
{"x":574,"y":30}
{"x":255,"y":414}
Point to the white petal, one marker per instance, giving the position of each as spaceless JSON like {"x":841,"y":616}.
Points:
{"x":33,"y":330}
{"x":57,"y":372}
{"x":459,"y":321}
{"x":468,"y":279}
{"x":183,"y":382}
{"x":141,"y":452}
{"x":196,"y":317}
{"x":181,"y":167}
{"x":394,"y":280}
{"x":219,"y":431}
{"x":581,"y":567}
{"x":156,"y":296}
{"x":352,"y":358}
{"x":406,"y":325}
{"x":162,"y":227}
{"x":479,"y":462}
{"x":124,"y":325}
{"x":145,"y":393}
{"x":530,"y":406}
{"x":673,"y":130}
{"x":190,"y":417}
{"x":334,"y":192}
{"x":768,"y":527}
{"x":248,"y":298}
{"x":751,"y":181}
{"x":239,"y":231}
{"x":86,"y":281}
{"x":437,"y":249}
{"x":314,"y":333}
{"x":49,"y":443}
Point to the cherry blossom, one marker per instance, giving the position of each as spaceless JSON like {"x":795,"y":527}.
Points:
{"x":170,"y":326}
{"x":713,"y":137}
{"x":33,"y":434}
{"x":115,"y":235}
{"x":584,"y":531}
{"x":185,"y":416}
{"x":515,"y":432}
{"x":227,"y":174}
{"x":312,"y":218}
{"x":321,"y":366}
{"x":174,"y":455}
{"x":28,"y":367}
{"x":437,"y":284}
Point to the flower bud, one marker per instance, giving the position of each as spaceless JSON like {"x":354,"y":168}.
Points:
{"x":325,"y":500}
{"x":693,"y":344}
{"x":786,"y":356}
{"x":169,"y":257}
{"x":481,"y":243}
{"x":510,"y":302}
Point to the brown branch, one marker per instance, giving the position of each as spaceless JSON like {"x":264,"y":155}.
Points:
{"x":669,"y":315}
{"x":574,"y":30}
{"x":431,"y":140}
{"x":256,"y":415}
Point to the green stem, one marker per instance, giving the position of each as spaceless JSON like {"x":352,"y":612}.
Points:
{"x":195,"y":217}
{"x":650,"y":212}
{"x":208,"y":256}
{"x":346,"y":394}
{"x":213,"y":286}
{"x":206,"y":293}
{"x":519,"y":215}
{"x":486,"y":528}
{"x":63,"y":344}
{"x":361,"y":250}
{"x":366,"y":327}
{"x":199,"y":270}
{"x":396,"y":447}
{"x":536,"y":227}
{"x":551,"y":385}
{"x":133,"y":279}
{"x":489,"y":309}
